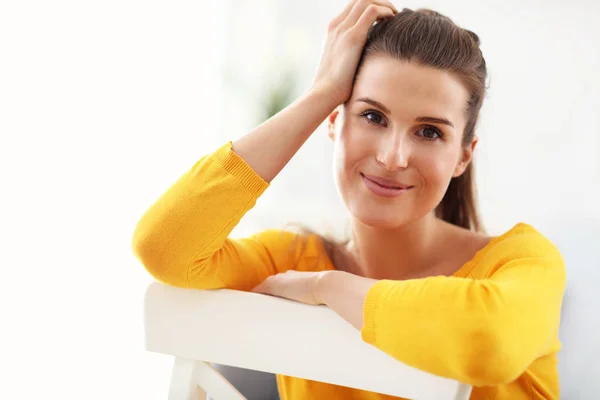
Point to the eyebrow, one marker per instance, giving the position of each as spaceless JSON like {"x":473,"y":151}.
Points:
{"x":435,"y":120}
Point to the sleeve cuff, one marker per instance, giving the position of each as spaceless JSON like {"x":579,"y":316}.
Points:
{"x":370,"y":309}
{"x":236,"y":166}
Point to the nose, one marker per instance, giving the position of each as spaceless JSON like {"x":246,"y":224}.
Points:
{"x":393,"y":152}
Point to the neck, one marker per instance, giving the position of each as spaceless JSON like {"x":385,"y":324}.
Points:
{"x":392,"y":253}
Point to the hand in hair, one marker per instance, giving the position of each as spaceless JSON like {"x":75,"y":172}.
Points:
{"x":346,"y":37}
{"x":269,"y":147}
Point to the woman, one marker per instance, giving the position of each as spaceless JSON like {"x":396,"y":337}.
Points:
{"x":417,"y":277}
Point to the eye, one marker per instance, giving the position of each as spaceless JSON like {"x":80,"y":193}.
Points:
{"x":430,"y":133}
{"x":373,"y":117}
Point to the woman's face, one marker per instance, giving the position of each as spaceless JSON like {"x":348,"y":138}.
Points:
{"x":398,"y":141}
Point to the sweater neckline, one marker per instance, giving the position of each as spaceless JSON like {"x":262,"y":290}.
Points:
{"x":467,"y":267}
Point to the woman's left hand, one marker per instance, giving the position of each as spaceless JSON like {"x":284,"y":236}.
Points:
{"x":293,"y":285}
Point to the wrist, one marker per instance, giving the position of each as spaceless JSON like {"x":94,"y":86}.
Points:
{"x":323,"y":95}
{"x":325,"y":284}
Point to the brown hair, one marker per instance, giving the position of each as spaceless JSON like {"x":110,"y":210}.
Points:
{"x":429,"y":38}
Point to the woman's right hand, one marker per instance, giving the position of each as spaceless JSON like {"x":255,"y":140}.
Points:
{"x":269,"y":147}
{"x":346,"y":37}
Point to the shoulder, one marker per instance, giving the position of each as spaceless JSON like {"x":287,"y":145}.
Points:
{"x":523,"y":240}
{"x":522,"y":247}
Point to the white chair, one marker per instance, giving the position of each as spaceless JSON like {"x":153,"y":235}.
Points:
{"x":263,"y":333}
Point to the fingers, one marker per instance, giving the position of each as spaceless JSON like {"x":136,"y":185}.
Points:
{"x":337,"y":20}
{"x":372,"y":14}
{"x":381,"y":8}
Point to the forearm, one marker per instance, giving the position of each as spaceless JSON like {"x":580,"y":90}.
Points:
{"x":270,"y":146}
{"x":345,"y":294}
{"x":482,"y":332}
{"x":454,"y":327}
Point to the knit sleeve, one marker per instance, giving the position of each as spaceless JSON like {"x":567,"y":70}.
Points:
{"x":182,"y":239}
{"x":481,"y":332}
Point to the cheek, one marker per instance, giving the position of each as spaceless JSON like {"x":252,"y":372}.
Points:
{"x":350,"y":151}
{"x":346,"y":150}
{"x":436,"y":168}
{"x":355,"y":144}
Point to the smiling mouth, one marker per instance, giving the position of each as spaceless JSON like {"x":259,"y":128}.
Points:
{"x":384,"y":190}
{"x":385,"y":185}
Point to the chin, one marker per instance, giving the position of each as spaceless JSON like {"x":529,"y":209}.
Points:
{"x":381,"y":217}
{"x":379,"y":213}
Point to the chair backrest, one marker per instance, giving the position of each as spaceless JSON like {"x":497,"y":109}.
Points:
{"x":205,"y":325}
{"x":579,"y":243}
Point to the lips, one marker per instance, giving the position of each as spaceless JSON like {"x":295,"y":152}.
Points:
{"x":386,"y":183}
{"x":383,"y":187}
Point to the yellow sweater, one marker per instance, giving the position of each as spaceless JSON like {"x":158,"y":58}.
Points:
{"x":494,"y":324}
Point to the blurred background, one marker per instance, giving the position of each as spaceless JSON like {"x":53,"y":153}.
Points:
{"x":104,"y":104}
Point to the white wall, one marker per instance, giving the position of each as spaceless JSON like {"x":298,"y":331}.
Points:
{"x":538,"y":154}
{"x":103,"y":105}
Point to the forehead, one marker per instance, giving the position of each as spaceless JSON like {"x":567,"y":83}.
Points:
{"x":410,"y":89}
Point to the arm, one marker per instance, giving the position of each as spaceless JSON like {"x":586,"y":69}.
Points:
{"x":344,"y":293}
{"x":182,"y":239}
{"x":481,"y":332}
{"x":268,"y":148}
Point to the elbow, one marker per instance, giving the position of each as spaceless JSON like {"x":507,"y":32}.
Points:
{"x":173,"y":270}
{"x":494,"y":357}
{"x":152,"y":261}
{"x":149,"y":260}
{"x":144,"y":248}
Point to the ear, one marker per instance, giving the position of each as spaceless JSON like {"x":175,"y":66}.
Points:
{"x":467,"y":157}
{"x":331,"y":122}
